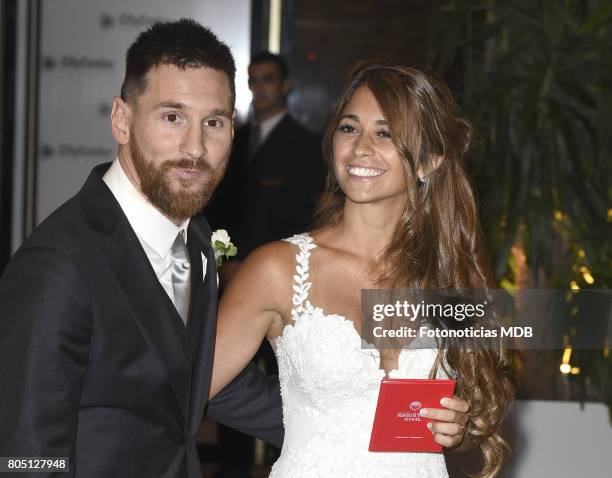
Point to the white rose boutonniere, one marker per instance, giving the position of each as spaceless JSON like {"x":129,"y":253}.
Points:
{"x":222,"y":245}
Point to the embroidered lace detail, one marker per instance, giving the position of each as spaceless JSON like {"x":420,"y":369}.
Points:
{"x":329,"y":385}
{"x":301,"y":285}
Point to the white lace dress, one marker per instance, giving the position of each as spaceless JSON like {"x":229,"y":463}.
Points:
{"x":329,"y":386}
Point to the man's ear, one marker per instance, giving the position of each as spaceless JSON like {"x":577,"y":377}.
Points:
{"x":121,"y":121}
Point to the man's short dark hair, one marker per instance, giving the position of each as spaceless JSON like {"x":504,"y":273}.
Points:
{"x":184,"y":44}
{"x":267,"y":57}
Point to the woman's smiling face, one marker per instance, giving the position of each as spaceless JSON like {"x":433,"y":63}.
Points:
{"x":367,"y":165}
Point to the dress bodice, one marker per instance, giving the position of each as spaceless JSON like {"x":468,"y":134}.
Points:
{"x":329,"y":386}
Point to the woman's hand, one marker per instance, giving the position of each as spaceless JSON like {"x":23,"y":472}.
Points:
{"x":448,"y":425}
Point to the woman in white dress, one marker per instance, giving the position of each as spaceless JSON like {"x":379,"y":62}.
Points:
{"x":400,"y":213}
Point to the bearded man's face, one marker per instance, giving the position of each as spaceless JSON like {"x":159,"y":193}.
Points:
{"x":180,"y":137}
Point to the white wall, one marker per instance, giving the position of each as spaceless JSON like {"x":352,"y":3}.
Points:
{"x":559,"y":439}
{"x":83,"y":46}
{"x":549,"y":439}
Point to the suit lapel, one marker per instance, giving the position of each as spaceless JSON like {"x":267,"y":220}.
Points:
{"x":151,"y":307}
{"x":203,"y":318}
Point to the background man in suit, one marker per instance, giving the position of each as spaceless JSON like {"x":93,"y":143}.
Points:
{"x":276,"y":171}
{"x":107,"y":312}
{"x":274,"y":180}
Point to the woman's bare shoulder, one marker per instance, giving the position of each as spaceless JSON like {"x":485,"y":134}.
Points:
{"x":263,"y":281}
{"x":274,"y":261}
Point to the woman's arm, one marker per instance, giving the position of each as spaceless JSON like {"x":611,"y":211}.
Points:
{"x":250,"y":308}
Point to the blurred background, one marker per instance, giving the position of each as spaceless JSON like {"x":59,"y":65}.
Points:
{"x":534,"y":77}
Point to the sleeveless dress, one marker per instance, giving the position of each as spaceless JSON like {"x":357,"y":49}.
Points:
{"x":329,"y":387}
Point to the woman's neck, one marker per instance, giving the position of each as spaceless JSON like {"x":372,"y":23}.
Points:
{"x":367,"y":229}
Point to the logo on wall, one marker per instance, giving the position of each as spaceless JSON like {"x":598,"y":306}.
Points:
{"x":49,"y":63}
{"x":74,"y":152}
{"x":107,"y":21}
{"x":46,"y":151}
{"x":75,"y":63}
{"x":140,"y":21}
{"x":104,"y":110}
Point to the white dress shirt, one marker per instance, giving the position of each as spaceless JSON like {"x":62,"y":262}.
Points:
{"x":266,"y":126}
{"x":155,"y":231}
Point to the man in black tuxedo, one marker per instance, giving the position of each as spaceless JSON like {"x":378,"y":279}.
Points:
{"x":276,"y":172}
{"x":108,"y":311}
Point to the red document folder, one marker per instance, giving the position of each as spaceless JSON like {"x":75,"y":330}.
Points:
{"x":398,"y":426}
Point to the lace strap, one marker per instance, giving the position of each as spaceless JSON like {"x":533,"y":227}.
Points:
{"x":301,"y":285}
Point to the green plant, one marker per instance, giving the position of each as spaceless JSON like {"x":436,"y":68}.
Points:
{"x":535,"y":77}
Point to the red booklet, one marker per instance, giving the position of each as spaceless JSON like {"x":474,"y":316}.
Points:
{"x":398,"y":425}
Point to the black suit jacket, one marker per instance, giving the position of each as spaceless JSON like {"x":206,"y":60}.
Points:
{"x":274,"y":195}
{"x":95,"y":362}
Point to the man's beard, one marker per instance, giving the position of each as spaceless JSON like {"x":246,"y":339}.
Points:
{"x":155,"y":184}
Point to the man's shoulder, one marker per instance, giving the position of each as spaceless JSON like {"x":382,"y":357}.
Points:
{"x":58,"y":240}
{"x":67,"y":228}
{"x":61,"y":227}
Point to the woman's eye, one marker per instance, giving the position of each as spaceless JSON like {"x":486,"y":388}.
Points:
{"x":385,"y":134}
{"x":345,"y":128}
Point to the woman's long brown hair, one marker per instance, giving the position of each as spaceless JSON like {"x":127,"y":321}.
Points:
{"x":437,"y":243}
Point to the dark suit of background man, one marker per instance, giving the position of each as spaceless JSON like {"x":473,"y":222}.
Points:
{"x":276,"y":172}
{"x":107,"y":312}
{"x":274,"y":180}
